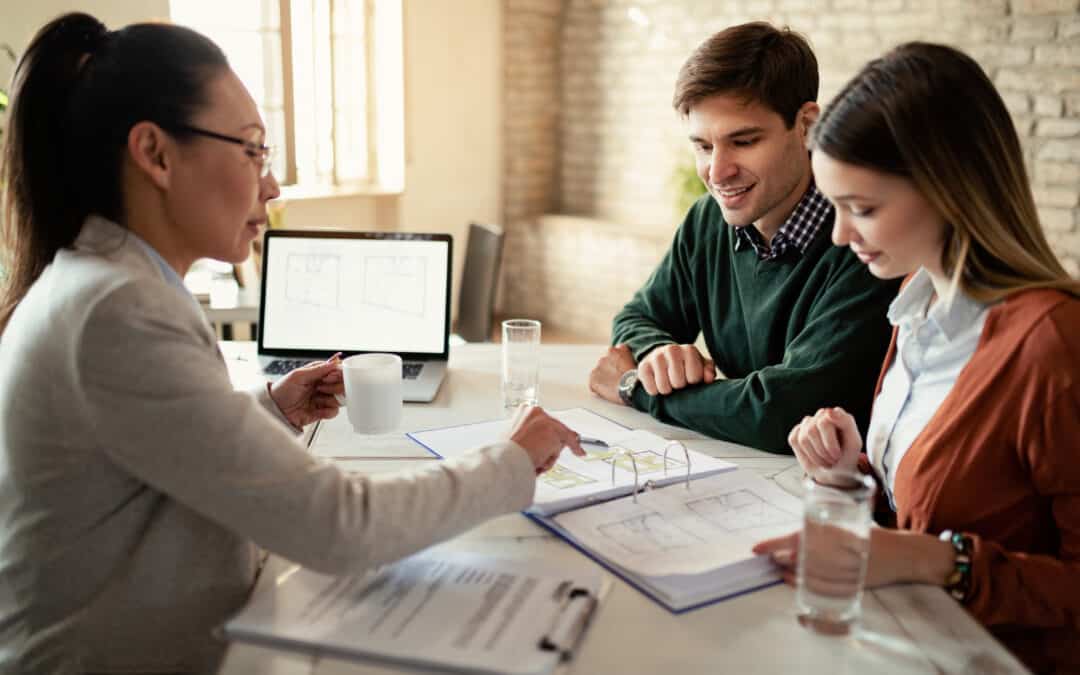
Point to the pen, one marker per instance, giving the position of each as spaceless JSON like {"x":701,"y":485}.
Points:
{"x":592,"y":441}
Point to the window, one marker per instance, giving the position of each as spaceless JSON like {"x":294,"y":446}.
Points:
{"x":327,"y":75}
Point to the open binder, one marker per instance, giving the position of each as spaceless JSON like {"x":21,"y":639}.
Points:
{"x":631,"y":460}
{"x":446,"y":610}
{"x":675,"y":524}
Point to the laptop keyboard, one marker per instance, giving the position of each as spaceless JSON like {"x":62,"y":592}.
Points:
{"x":410,"y":371}
{"x":282,"y":366}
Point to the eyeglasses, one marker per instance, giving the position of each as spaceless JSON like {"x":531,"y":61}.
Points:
{"x":261,"y":155}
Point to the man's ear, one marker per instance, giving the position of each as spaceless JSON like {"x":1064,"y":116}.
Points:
{"x":150,"y":150}
{"x":806,"y":117}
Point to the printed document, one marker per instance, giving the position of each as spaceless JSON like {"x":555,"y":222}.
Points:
{"x":451,"y":609}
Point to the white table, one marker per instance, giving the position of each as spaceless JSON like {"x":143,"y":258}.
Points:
{"x":906,"y":629}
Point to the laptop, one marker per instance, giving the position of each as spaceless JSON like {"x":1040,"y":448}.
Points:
{"x":329,"y":291}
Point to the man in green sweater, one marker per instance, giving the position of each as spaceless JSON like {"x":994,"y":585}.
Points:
{"x":792,"y":323}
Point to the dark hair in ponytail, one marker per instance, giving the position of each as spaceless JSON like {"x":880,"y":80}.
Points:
{"x":77,"y":92}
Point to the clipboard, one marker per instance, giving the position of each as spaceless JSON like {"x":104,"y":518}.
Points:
{"x":437,"y":609}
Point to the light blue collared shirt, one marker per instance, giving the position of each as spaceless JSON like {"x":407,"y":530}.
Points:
{"x":931,"y":350}
{"x":170,"y":274}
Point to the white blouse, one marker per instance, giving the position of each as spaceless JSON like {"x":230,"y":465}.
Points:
{"x":932,"y":349}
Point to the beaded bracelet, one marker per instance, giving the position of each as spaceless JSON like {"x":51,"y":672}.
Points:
{"x":958,"y":582}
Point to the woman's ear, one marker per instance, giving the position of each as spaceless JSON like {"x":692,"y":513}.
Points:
{"x":150,"y":150}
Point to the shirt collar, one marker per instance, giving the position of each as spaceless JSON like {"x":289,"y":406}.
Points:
{"x":951,"y":319}
{"x":797,"y":232}
{"x":171,"y":277}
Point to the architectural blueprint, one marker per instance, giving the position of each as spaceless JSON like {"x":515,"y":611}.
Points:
{"x":680,"y":530}
{"x":396,"y":283}
{"x":314,"y":279}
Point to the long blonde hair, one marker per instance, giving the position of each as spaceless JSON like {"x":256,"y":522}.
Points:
{"x":930,"y":114}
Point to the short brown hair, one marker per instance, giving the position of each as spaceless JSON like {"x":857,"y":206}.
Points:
{"x":775,"y":67}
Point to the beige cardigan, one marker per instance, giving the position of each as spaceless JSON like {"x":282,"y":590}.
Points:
{"x":137,"y":487}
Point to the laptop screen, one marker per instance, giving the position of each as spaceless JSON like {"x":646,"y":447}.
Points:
{"x":327,"y":291}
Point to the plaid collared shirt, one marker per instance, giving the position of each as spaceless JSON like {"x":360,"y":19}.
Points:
{"x":797,"y":231}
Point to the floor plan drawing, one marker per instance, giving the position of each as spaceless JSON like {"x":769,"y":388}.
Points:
{"x":396,"y":283}
{"x":647,"y":533}
{"x":739,"y":510}
{"x":647,"y":461}
{"x":561,"y":478}
{"x":314,"y":279}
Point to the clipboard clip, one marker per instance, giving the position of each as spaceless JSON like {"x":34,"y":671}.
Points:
{"x":570,"y":623}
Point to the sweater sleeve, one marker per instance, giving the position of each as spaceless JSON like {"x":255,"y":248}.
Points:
{"x":831,"y":361}
{"x":165,"y":412}
{"x":1010,"y":587}
{"x":662,"y":312}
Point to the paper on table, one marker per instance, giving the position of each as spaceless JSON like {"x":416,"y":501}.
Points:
{"x":453,"y":609}
{"x":336,"y":438}
{"x":678,"y":531}
{"x":456,"y":441}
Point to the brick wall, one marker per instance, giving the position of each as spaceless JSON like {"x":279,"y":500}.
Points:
{"x":590,"y":131}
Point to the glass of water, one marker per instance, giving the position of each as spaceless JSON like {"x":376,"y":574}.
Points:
{"x":833,"y":550}
{"x":520,"y":363}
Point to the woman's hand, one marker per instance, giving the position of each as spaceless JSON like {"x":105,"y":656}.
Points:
{"x":895,"y":556}
{"x":307,"y":394}
{"x":543,"y":437}
{"x":828,"y":440}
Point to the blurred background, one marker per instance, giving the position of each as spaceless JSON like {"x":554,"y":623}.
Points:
{"x":552,"y":118}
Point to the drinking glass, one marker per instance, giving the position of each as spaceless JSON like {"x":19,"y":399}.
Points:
{"x":520,"y":363}
{"x":833,"y":550}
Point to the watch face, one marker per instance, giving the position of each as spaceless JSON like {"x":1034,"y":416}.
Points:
{"x":627,"y":382}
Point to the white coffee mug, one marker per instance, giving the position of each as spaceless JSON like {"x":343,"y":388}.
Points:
{"x":373,"y":392}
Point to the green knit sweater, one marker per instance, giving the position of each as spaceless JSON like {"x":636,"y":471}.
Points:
{"x":791,"y":335}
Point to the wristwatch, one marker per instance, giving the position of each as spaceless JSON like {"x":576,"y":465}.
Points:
{"x":627,"y":383}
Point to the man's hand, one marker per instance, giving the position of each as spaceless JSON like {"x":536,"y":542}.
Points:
{"x":308,"y":394}
{"x":673,"y":367}
{"x":604,"y":378}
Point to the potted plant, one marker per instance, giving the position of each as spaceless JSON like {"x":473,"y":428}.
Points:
{"x":686,"y":185}
{"x":4,"y":100}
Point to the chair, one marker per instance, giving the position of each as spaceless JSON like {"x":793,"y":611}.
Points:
{"x":479,"y":280}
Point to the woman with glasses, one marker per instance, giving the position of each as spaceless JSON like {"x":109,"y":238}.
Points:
{"x":974,"y":432}
{"x":137,"y":488}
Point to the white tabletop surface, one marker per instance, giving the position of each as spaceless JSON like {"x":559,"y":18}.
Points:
{"x":905,"y":629}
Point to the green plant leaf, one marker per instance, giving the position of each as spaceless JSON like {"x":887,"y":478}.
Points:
{"x":686,"y":185}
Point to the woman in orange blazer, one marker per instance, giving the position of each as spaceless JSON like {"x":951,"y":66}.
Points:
{"x":975,"y":434}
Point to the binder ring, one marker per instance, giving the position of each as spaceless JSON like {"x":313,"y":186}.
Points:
{"x":686,"y":453}
{"x":617,"y":450}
